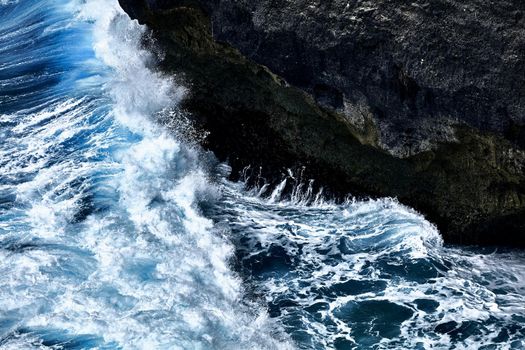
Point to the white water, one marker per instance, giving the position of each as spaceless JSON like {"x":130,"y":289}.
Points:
{"x":103,"y":244}
{"x":144,"y":270}
{"x":372,"y":275}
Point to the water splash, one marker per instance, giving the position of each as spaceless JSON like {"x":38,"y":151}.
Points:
{"x":102,"y":244}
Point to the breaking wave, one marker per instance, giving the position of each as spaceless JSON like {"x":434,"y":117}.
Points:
{"x":115,"y":234}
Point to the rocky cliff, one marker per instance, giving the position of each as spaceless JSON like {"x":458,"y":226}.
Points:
{"x":424,"y":101}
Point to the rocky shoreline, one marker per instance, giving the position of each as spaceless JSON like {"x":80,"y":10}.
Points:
{"x":424,"y":101}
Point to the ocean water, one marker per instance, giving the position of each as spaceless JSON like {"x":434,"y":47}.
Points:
{"x":118,"y":232}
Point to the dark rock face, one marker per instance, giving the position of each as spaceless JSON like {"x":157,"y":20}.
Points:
{"x":417,"y":66}
{"x":423,"y":101}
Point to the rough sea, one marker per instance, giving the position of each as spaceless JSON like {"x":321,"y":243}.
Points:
{"x":117,"y":231}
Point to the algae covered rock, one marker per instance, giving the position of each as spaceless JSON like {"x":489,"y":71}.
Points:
{"x":422,"y":101}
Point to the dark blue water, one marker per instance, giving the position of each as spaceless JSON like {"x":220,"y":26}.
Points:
{"x":115,"y":234}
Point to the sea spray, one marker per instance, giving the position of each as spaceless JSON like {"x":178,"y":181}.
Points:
{"x":103,"y":246}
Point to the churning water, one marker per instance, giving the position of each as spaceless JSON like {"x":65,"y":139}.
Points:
{"x":116,"y":234}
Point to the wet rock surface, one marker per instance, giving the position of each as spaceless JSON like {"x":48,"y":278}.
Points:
{"x":423,"y":101}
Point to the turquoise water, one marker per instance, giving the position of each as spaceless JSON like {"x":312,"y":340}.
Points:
{"x":117,"y":232}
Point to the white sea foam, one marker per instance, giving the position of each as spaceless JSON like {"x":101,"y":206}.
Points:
{"x":103,"y":244}
{"x":141,"y":269}
{"x":347,"y":271}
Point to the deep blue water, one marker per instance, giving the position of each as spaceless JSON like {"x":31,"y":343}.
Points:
{"x":115,"y":234}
